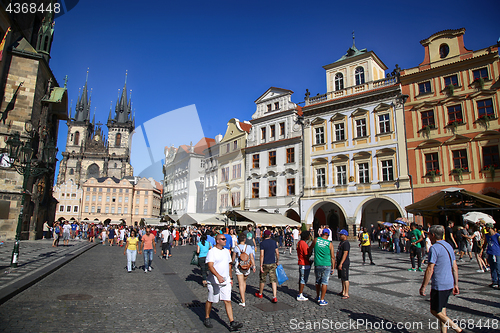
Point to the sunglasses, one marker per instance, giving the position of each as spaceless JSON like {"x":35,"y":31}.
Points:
{"x":222,"y":239}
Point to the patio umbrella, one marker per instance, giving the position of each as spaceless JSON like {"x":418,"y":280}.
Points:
{"x":402,"y":220}
{"x":477,"y":217}
{"x":388,"y":224}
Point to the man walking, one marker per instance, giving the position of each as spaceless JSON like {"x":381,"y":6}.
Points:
{"x":449,"y":235}
{"x":343,"y":262}
{"x":324,"y":263}
{"x":250,"y":237}
{"x":442,"y":270}
{"x":66,"y":233}
{"x":148,"y":246}
{"x":364,"y":241}
{"x":415,"y":237}
{"x":165,"y":244}
{"x":493,"y":253}
{"x":295,"y":234}
{"x":220,"y":282}
{"x":269,"y":257}
{"x":45,"y":230}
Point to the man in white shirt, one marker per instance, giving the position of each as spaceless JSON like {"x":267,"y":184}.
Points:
{"x":66,"y":233}
{"x":220,"y":281}
{"x":165,"y":244}
{"x":295,"y":234}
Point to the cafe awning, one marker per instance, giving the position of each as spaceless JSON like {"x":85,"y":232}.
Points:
{"x":202,"y":219}
{"x":454,"y":199}
{"x":263,"y":219}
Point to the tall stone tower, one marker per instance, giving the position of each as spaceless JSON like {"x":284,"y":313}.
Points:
{"x":88,"y":153}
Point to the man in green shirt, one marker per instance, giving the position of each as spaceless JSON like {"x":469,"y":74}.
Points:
{"x":415,"y":237}
{"x":324,"y":262}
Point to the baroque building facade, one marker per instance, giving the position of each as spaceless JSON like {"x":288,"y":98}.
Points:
{"x":273,"y":155}
{"x":452,"y":121}
{"x":69,"y":197}
{"x":355,"y":157}
{"x":209,"y":173}
{"x":88,"y":153}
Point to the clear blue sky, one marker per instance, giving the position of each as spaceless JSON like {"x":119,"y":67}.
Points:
{"x":222,"y":55}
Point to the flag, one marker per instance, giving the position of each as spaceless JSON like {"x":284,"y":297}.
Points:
{"x":2,"y":45}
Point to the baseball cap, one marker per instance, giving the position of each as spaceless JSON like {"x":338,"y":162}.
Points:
{"x":326,"y":231}
{"x":344,"y":232}
{"x":267,"y":233}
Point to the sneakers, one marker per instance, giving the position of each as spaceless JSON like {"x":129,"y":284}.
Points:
{"x":241,"y":304}
{"x":150,"y":269}
{"x":323,"y":302}
{"x":234,"y":326}
{"x":208,"y":323}
{"x":145,"y":271}
{"x":258,"y":295}
{"x":480,"y":271}
{"x":372,"y":263}
{"x":318,"y":299}
{"x":274,"y":300}
{"x":302,"y":298}
{"x":420,"y":269}
{"x":411,"y":270}
{"x":493,"y":285}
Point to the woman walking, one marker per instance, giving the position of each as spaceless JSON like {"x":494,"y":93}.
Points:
{"x":244,"y":261}
{"x":111,"y":236}
{"x":131,"y":250}
{"x":57,"y":230}
{"x":477,"y":248}
{"x":288,"y":239}
{"x":202,"y":249}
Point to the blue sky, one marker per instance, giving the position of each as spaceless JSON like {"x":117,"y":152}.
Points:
{"x":218,"y":57}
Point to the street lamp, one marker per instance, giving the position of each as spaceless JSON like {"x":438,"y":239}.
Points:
{"x":21,"y":158}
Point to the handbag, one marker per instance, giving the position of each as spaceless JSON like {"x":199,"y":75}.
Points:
{"x":281,"y":275}
{"x":194,"y":259}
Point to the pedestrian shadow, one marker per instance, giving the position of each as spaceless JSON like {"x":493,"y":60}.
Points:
{"x":480,"y":301}
{"x":195,"y":277}
{"x":370,"y":322}
{"x":198,"y":308}
{"x":470,"y":311}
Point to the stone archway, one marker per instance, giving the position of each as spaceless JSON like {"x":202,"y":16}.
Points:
{"x":292,"y":214}
{"x":93,"y":171}
{"x":330,"y":214}
{"x":378,"y":209}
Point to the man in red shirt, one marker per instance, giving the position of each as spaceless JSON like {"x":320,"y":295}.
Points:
{"x":148,"y":246}
{"x":304,"y":264}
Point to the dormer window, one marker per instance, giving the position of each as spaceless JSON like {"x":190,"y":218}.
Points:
{"x":444,"y":49}
{"x":269,"y":107}
{"x":359,"y":75}
{"x":277,"y":105}
{"x":339,"y":81}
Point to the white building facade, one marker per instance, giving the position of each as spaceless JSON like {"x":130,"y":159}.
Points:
{"x":210,"y":176}
{"x":70,"y":197}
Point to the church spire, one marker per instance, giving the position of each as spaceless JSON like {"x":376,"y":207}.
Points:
{"x":82,"y":109}
{"x":123,"y":105}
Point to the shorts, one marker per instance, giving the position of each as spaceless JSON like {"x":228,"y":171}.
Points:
{"x":217,"y":293}
{"x":476,"y":248}
{"x":343,"y":274}
{"x":463,"y":247}
{"x":366,"y":249}
{"x":165,"y":247}
{"x":66,"y":236}
{"x":271,"y":270}
{"x":439,"y":299}
{"x":304,"y":273}
{"x":238,"y":271}
{"x":322,"y":274}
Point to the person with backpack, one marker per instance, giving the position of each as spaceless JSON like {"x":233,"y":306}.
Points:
{"x":244,"y":260}
{"x":57,"y":230}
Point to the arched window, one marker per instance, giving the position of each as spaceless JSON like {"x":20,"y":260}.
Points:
{"x":46,"y":44}
{"x":359,"y":75}
{"x":93,"y":171}
{"x":71,"y":171}
{"x":339,"y":81}
{"x":77,"y":138}
{"x":118,"y":140}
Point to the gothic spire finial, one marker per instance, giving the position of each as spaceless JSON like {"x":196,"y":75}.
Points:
{"x":353,"y":39}
{"x":87,"y":79}
{"x":65,"y":81}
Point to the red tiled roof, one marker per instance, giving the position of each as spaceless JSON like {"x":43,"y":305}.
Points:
{"x":203,"y":144}
{"x":299,"y":110}
{"x":246,"y":127}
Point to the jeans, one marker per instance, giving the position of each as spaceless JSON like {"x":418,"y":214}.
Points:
{"x":148,"y":258}
{"x":304,"y":273}
{"x":204,"y":267}
{"x":415,"y":251}
{"x":494,"y":262}
{"x":396,"y":245}
{"x":322,"y":274}
{"x":131,"y":256}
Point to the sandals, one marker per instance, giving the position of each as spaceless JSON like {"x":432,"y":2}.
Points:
{"x":345,"y":297}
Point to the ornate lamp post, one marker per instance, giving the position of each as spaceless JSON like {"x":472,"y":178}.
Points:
{"x":22,"y":158}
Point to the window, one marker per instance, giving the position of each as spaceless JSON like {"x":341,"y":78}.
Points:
{"x":431,"y":162}
{"x":114,"y":190}
{"x":145,"y":201}
{"x":86,"y":209}
{"x":340,"y":132}
{"x":290,"y":155}
{"x":360,"y":128}
{"x":277,"y":105}
{"x":100,"y":189}
{"x":428,"y":118}
{"x":75,"y":209}
{"x":126,"y":199}
{"x":490,"y":157}
{"x":99,"y":198}
{"x":145,"y":211}
{"x":73,"y":195}
{"x":77,"y":138}
{"x":119,"y":210}
{"x":87,"y":198}
{"x":387,"y":171}
{"x":61,"y":208}
{"x":282,"y":129}
{"x":272,"y":131}
{"x":98,"y":209}
{"x":225,"y":174}
{"x":113,"y":199}
{"x":320,"y":177}
{"x":112,"y":210}
{"x":424,"y":87}
{"x":263,"y":133}
{"x":137,"y":201}
{"x":71,"y":171}
{"x":118,"y":140}
{"x":341,"y":175}
{"x":93,"y":209}
{"x":108,"y":190}
{"x":255,"y":190}
{"x":444,"y":49}
{"x":255,"y":160}
{"x":228,"y":147}
{"x":384,"y":123}
{"x":290,"y":186}
{"x":235,"y":144}
{"x":451,"y":80}
{"x":320,"y":135}
{"x":339,"y":81}
{"x":485,"y":107}
{"x":121,"y":190}
{"x":107,"y":198}
{"x":272,"y":188}
{"x":269,"y":107}
{"x":460,"y":159}
{"x":480,"y":73}
{"x":235,"y":199}
{"x":272,"y":158}
{"x":238,"y":171}
{"x":125,"y":210}
{"x":455,"y":113}
{"x":137,"y":211}
{"x":359,"y":75}
{"x":62,"y":195}
{"x":223,"y":200}
{"x":364,"y":173}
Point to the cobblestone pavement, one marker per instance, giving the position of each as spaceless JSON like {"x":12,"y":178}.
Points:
{"x":95,"y":293}
{"x":36,"y":260}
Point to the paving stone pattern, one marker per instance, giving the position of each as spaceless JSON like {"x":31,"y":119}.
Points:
{"x":171,"y":298}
